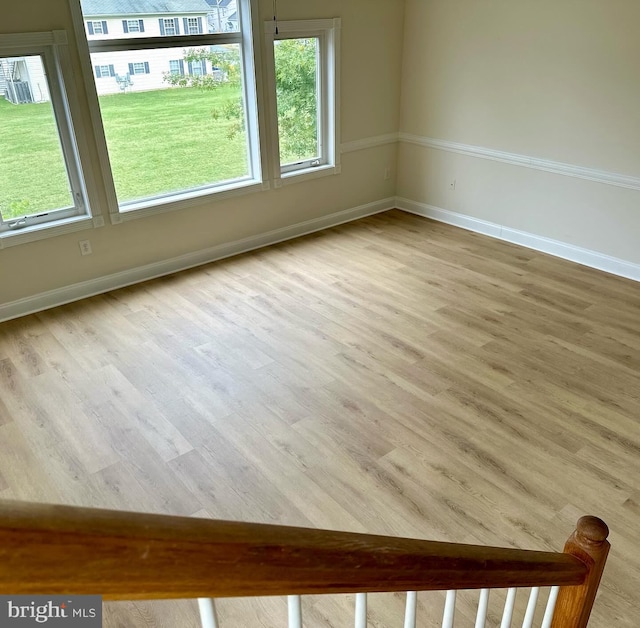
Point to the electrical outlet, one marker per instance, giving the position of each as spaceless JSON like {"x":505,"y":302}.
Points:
{"x":452,"y":185}
{"x":387,"y":173}
{"x":85,"y":247}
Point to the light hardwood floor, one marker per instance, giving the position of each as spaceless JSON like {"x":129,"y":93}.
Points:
{"x":393,"y":375}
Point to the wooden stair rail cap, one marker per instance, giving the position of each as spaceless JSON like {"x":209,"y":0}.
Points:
{"x":122,"y":555}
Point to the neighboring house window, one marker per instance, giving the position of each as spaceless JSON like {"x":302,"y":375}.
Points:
{"x":212,"y":144}
{"x":197,"y":68}
{"x":176,"y":66}
{"x":303,"y":66}
{"x":169,"y":26}
{"x":193,"y":25}
{"x":41,"y":182}
{"x":133,"y":26}
{"x":139,"y":68}
{"x":105,"y":70}
{"x":97,"y":28}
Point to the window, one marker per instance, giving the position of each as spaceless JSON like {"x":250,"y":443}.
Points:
{"x":193,"y":25}
{"x":97,"y":28}
{"x":133,"y":26}
{"x":169,"y":26}
{"x":139,"y":68}
{"x":176,"y":66}
{"x":197,"y":68}
{"x":105,"y":71}
{"x":41,"y":182}
{"x":193,"y":106}
{"x":303,"y":68}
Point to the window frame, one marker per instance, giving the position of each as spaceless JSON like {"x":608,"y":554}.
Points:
{"x":51,"y":47}
{"x":102,"y":30}
{"x":327,"y":31}
{"x":134,"y":26}
{"x":190,"y":26}
{"x":138,"y":68}
{"x":248,"y":40}
{"x":103,"y":74}
{"x":170,"y":23}
{"x":180,"y":67}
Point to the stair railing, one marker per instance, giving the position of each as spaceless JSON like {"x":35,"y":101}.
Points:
{"x":48,"y":549}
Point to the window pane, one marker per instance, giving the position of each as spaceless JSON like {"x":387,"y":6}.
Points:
{"x":296,"y":66}
{"x":177,"y":127}
{"x":34,"y":176}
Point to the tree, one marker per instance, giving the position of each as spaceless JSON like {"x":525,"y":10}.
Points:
{"x":225,"y":66}
{"x":296,"y":89}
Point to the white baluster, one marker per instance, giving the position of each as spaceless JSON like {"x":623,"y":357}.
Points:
{"x":449,"y":610}
{"x":410,"y":610}
{"x":508,"y":608}
{"x":551,"y":606}
{"x":531,"y":608}
{"x":208,"y":613}
{"x":361,"y":610}
{"x":294,"y":604}
{"x":483,"y":605}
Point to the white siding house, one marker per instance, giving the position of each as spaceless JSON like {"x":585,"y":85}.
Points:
{"x":143,"y":70}
{"x":23,"y":79}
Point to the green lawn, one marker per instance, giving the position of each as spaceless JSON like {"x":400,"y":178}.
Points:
{"x":32,"y":174}
{"x":159,"y":142}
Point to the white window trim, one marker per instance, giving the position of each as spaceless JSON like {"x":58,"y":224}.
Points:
{"x":133,"y":26}
{"x":253,"y":97}
{"x":169,"y":24}
{"x":328,"y":33}
{"x":190,"y":26}
{"x":52,"y":47}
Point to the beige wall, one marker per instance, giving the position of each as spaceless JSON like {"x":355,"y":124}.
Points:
{"x":371,"y":68}
{"x":551,"y":79}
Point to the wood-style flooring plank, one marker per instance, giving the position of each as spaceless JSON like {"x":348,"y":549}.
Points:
{"x":393,"y":375}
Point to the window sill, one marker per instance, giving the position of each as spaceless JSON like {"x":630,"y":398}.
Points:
{"x":152,"y":207}
{"x":298,"y":176}
{"x":47,"y":230}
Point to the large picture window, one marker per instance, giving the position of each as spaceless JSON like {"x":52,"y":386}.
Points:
{"x":179,"y":113}
{"x":303,"y":83}
{"x":41,"y":179}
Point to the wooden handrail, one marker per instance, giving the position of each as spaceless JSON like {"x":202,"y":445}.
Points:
{"x":122,"y":555}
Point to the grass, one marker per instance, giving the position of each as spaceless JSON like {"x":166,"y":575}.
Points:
{"x":159,"y":142}
{"x":170,"y":140}
{"x":33,"y":178}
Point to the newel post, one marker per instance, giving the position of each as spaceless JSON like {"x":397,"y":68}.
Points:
{"x":589,"y":544}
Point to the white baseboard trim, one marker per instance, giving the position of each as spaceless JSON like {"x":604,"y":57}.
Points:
{"x":586,"y":257}
{"x":515,"y":159}
{"x":92,"y":287}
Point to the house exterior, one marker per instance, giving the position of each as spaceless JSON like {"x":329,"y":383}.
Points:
{"x":223,"y":16}
{"x":22,"y":79}
{"x":143,"y":70}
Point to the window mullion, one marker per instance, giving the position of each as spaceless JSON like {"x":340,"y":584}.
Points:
{"x":172,"y":41}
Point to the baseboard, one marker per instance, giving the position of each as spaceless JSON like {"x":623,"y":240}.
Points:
{"x":586,"y":257}
{"x":82,"y":290}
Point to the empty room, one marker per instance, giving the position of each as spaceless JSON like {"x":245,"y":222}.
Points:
{"x":315,"y":312}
